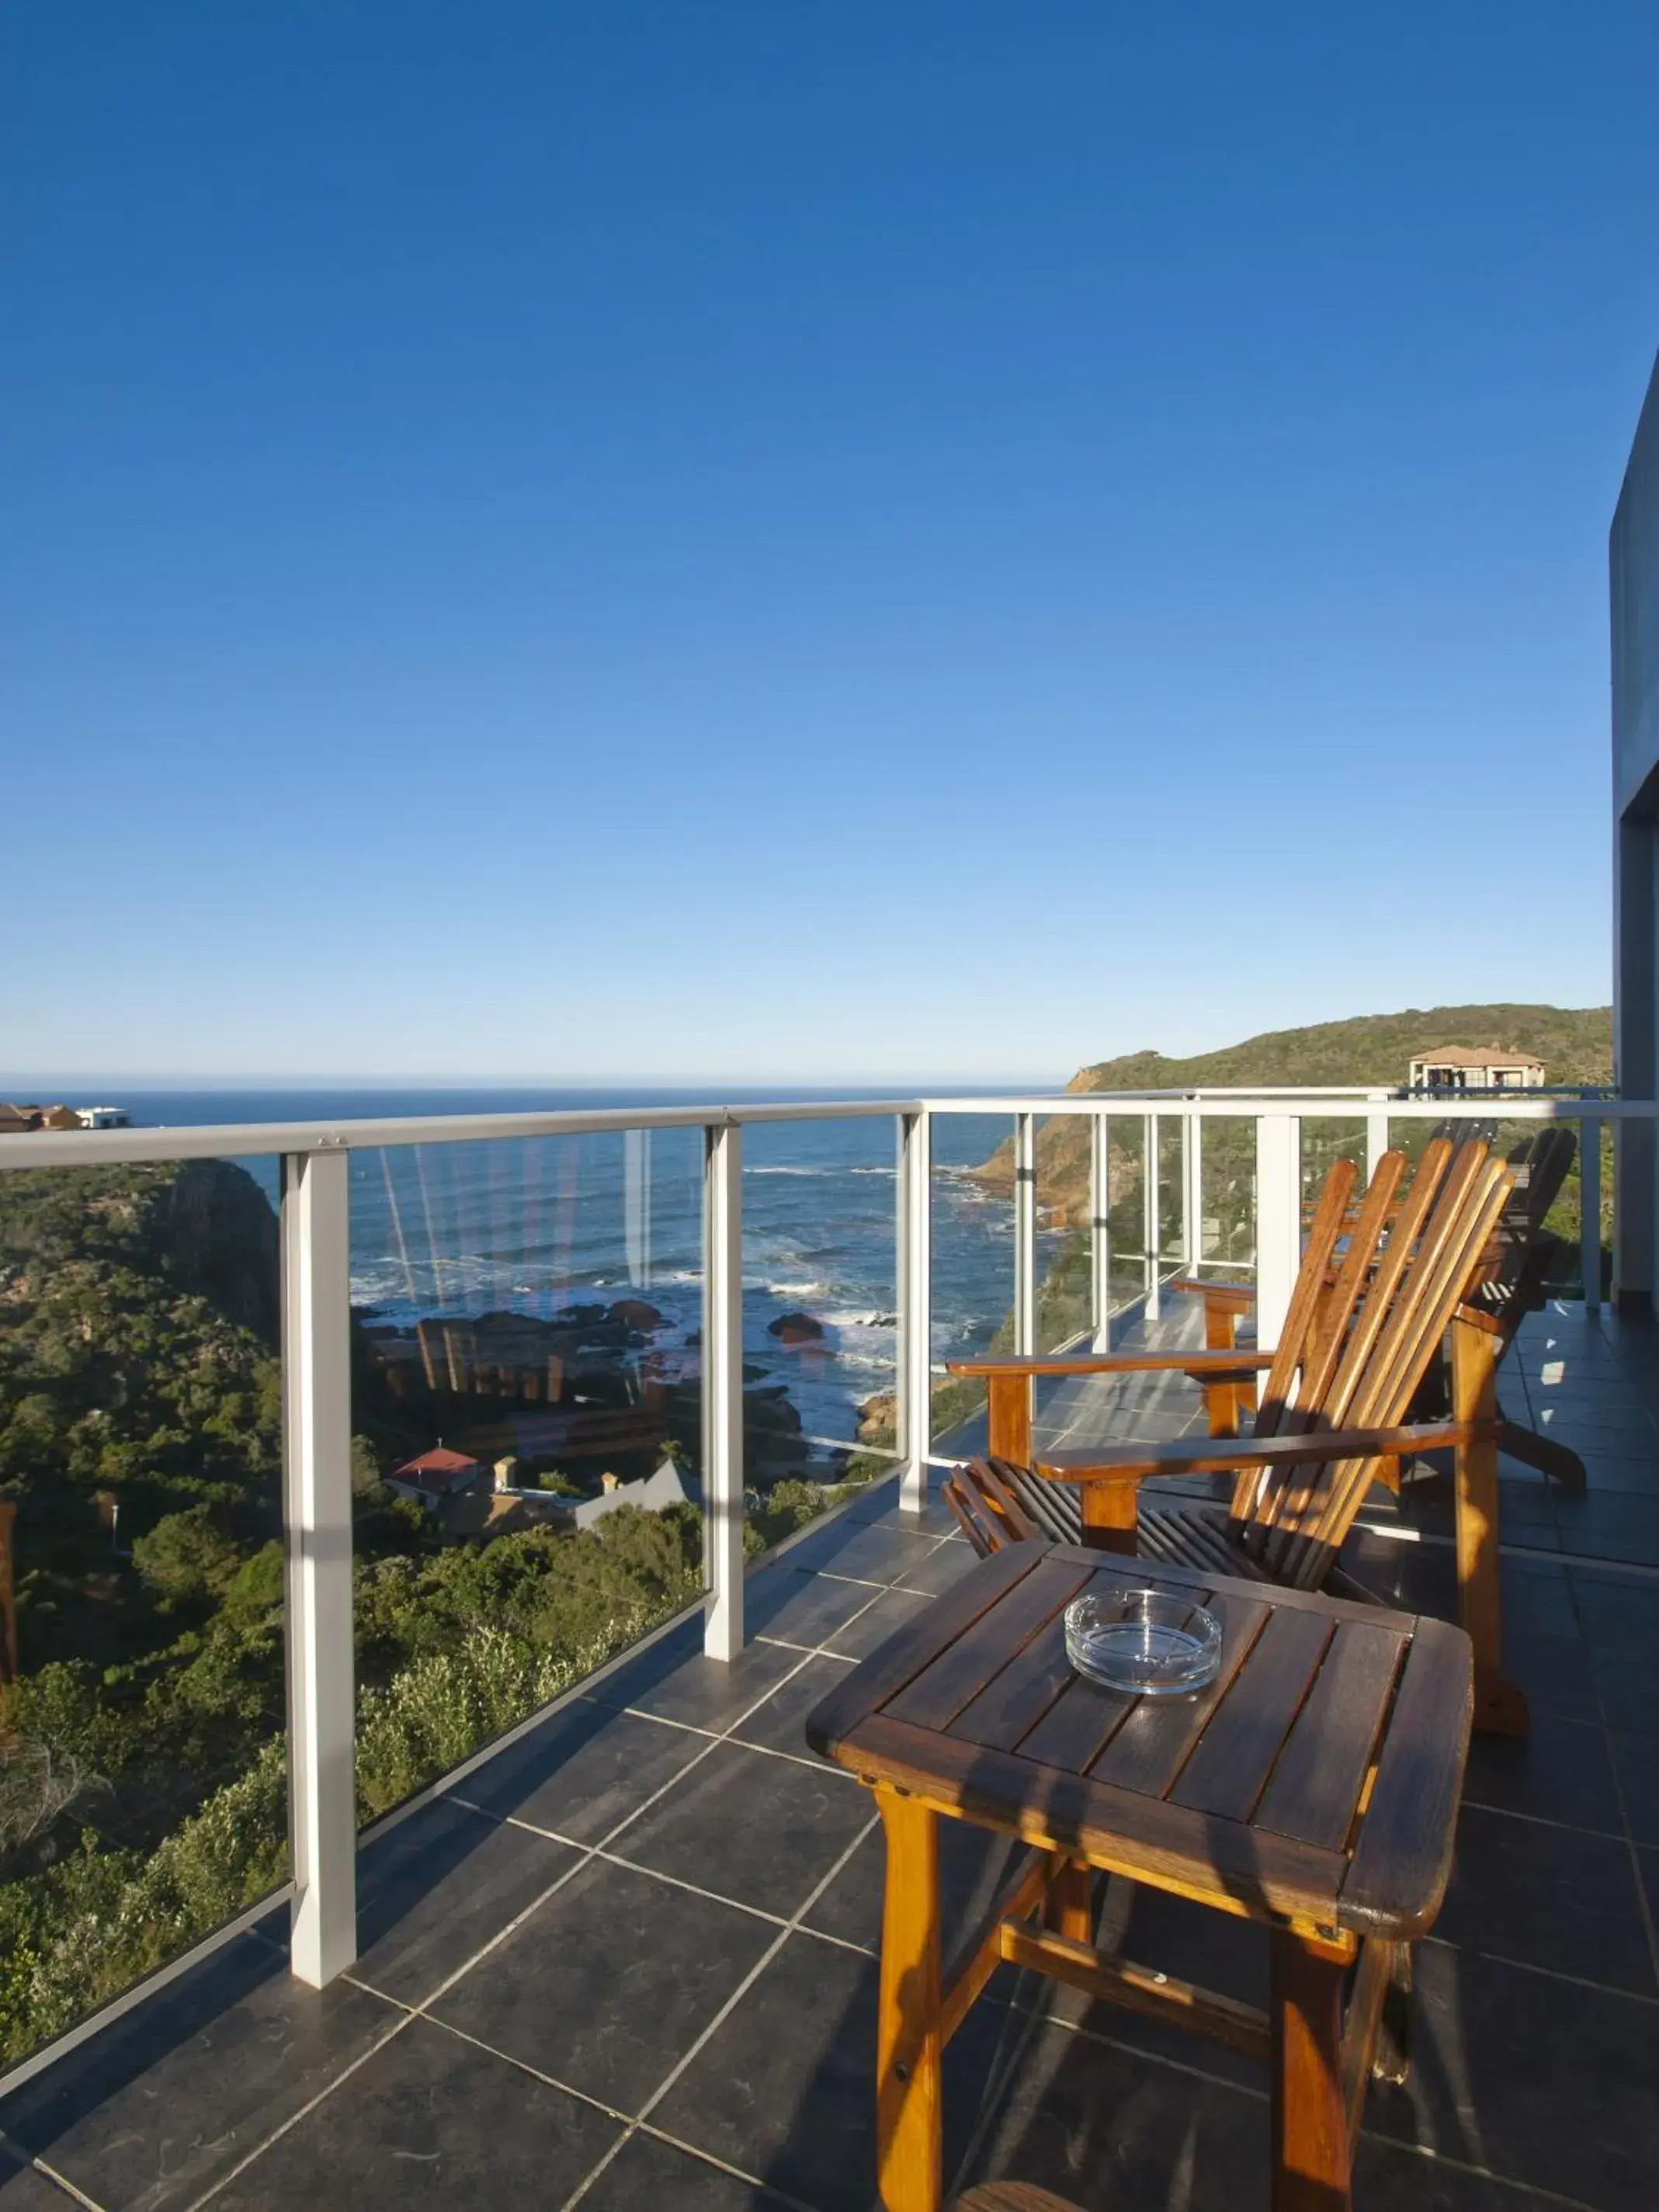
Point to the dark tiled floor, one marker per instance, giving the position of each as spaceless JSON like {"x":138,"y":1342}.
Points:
{"x":630,"y":1962}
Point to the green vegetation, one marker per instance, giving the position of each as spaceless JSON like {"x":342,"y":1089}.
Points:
{"x":142,"y":1792}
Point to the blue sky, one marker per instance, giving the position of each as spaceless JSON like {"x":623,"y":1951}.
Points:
{"x":800,"y":542}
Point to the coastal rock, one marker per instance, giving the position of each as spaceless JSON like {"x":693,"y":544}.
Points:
{"x":796,"y":1329}
{"x":637,"y":1313}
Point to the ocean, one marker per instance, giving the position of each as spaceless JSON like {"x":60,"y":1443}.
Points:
{"x":532,"y":1225}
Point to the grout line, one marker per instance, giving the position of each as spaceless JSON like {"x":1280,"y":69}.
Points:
{"x":727,"y":2008}
{"x":39,"y":2166}
{"x":773,"y":2194}
{"x":1550,"y":1973}
{"x":1543,"y":1820}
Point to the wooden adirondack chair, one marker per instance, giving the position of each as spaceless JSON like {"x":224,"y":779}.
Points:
{"x":1379,"y":1288}
{"x":1514,"y":1270}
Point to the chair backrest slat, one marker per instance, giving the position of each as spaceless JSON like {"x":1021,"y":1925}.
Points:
{"x":1409,"y":1261}
{"x":1302,"y":1317}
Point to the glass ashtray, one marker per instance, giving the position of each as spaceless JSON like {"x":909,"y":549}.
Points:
{"x":1153,"y":1643}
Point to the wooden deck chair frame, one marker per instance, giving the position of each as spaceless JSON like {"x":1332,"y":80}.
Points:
{"x":1512,"y":1286}
{"x":1384,"y":1283}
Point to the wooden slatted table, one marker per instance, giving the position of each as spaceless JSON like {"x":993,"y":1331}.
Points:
{"x":1312,"y":1787}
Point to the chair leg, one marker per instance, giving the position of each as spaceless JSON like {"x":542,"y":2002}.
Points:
{"x":1391,"y":2054}
{"x":1500,"y":1706}
{"x":909,"y":2129}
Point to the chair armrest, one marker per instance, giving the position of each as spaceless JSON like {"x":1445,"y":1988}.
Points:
{"x":1212,"y":1366}
{"x":1203,"y":1456}
{"x":1229,"y":1297}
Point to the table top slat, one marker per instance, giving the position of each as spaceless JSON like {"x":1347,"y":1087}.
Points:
{"x":1402,"y":1855}
{"x":972,"y":1660}
{"x":1186,"y":1849}
{"x":1316,"y":1784}
{"x":1241,"y":1795}
{"x":1023,"y":1695}
{"x":909,"y":1648}
{"x":1156,"y":1738}
{"x":1230,"y":1763}
{"x":1080,"y":1721}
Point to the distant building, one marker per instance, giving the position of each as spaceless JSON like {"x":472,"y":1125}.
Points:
{"x":434,"y":1476}
{"x":652,"y":1494}
{"x":1453,"y":1067}
{"x":17,"y":1121}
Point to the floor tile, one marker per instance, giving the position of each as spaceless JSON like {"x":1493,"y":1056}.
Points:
{"x":584,"y":1770}
{"x":761,"y":1830}
{"x":1627,"y":1687}
{"x":609,"y":1983}
{"x":796,"y":1606}
{"x":1555,"y":1674}
{"x":1536,"y":2079}
{"x":1618,"y":1613}
{"x":942,"y":1567}
{"x":162,"y":2103}
{"x":1636,"y":1758}
{"x":1559,"y":1770}
{"x":438,"y":1887}
{"x":973,"y":1864}
{"x":648,"y":2173}
{"x":698,"y":1693}
{"x":430,"y":2120}
{"x":881,"y":1509}
{"x":781,"y":1723}
{"x":1101,"y":2126}
{"x":894,"y":1610}
{"x":783,"y":2089}
{"x":862,"y":1551}
{"x":1388,"y":2178}
{"x":1548,"y":1897}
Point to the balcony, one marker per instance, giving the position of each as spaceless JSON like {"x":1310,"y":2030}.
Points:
{"x":628,"y":1956}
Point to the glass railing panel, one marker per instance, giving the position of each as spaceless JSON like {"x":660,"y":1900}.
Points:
{"x":143,"y":1698}
{"x":1063,"y":1317}
{"x":527,"y":1428}
{"x":820,"y":1315}
{"x":972,"y":1218}
{"x":1225,"y":1229}
{"x":1327,"y":1138}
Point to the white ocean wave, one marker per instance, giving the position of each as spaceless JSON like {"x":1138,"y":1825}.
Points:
{"x":796,"y":1171}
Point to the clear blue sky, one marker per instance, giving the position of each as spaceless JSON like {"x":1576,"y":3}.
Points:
{"x":794,"y":541}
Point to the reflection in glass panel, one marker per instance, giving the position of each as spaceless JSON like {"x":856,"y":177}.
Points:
{"x":527,"y":1419}
{"x":820,"y":1314}
{"x":143,"y":1706}
{"x":973,"y":1242}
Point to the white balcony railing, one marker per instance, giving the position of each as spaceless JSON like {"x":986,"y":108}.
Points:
{"x":315,"y":1244}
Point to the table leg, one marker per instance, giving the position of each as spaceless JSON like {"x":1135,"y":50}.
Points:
{"x":1311,"y":2152}
{"x":1068,"y":1907}
{"x":1500,"y":1707}
{"x":910,"y":2133}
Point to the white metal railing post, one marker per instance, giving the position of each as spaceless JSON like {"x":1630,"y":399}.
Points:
{"x":1278,"y":1221}
{"x":1377,"y":1135}
{"x":1024,"y":1235}
{"x":1149,"y":1224}
{"x":1100,"y":1231}
{"x":722,"y":1388}
{"x":1192,"y":1197}
{"x":1590,"y":1211}
{"x":316,"y":1297}
{"x":914,"y":1398}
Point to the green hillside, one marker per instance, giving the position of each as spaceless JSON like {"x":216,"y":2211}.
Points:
{"x":1574,"y":1042}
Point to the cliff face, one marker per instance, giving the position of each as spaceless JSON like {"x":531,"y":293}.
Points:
{"x":1574,"y":1043}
